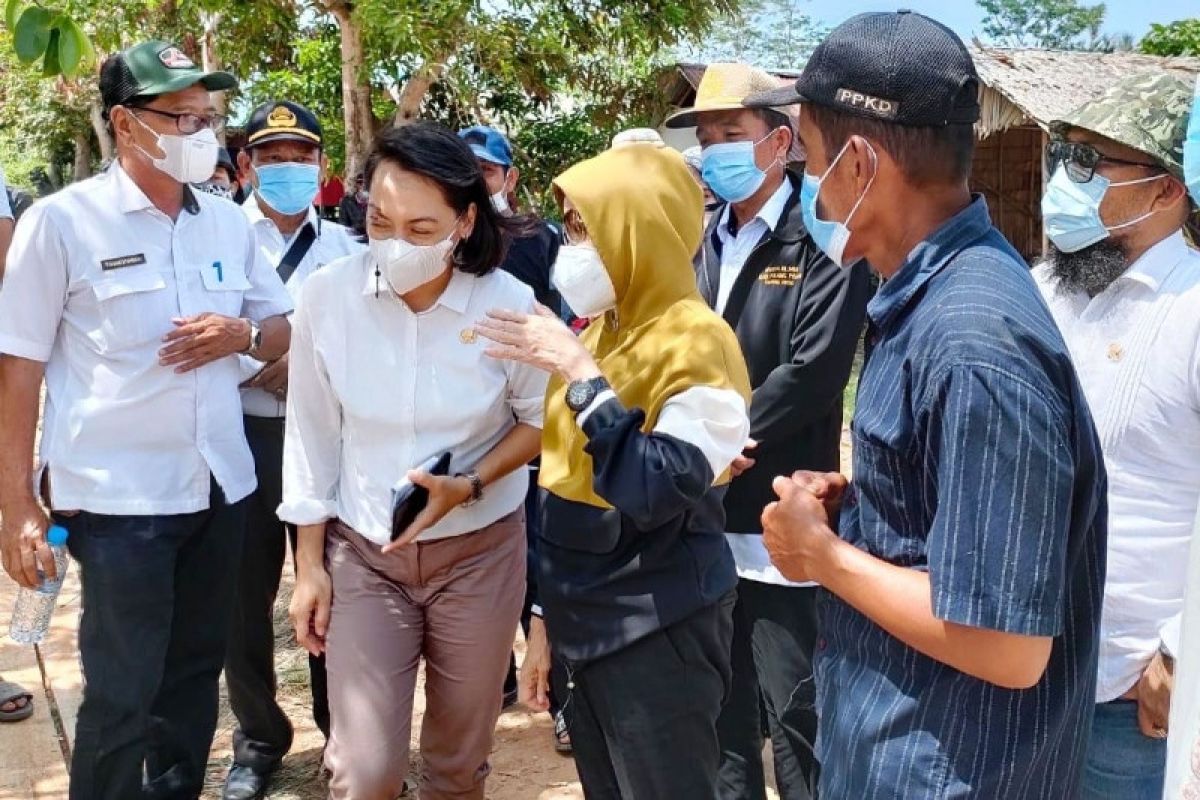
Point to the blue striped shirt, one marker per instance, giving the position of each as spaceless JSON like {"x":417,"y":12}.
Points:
{"x":975,"y":459}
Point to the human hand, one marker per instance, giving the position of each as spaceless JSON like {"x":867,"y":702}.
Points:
{"x":796,"y":530}
{"x":309,"y":609}
{"x":533,"y":683}
{"x":272,"y":378}
{"x":1153,"y":695}
{"x":540,"y":340}
{"x":202,"y":339}
{"x":446,"y":493}
{"x":23,"y":544}
{"x":829,"y":487}
{"x":743,"y":462}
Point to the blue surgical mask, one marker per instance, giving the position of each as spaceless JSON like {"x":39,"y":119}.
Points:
{"x":288,"y":188}
{"x":1071,"y":211}
{"x":730,"y":171}
{"x":1191,"y":149}
{"x":832,"y":237}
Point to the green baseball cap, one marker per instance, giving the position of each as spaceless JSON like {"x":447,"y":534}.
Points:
{"x":1147,"y":111}
{"x":154,"y":68}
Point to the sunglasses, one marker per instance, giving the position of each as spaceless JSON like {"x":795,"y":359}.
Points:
{"x":1080,"y":160}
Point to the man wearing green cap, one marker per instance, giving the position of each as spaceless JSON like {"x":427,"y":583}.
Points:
{"x":133,"y":294}
{"x":1124,"y":285}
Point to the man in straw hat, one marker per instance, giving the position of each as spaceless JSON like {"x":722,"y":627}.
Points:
{"x":962,"y":572}
{"x":1124,"y":286}
{"x":798,"y":317}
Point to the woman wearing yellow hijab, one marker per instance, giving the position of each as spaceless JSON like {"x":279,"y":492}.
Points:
{"x":644,"y":414}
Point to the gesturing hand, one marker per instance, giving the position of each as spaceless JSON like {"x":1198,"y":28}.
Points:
{"x":202,"y":339}
{"x":540,"y":340}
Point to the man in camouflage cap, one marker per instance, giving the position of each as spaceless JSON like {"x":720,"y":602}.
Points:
{"x":1123,"y":286}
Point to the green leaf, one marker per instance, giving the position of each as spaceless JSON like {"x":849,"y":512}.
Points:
{"x":71,"y":45}
{"x":32,"y":34}
{"x":10,"y":13}
{"x":50,"y":65}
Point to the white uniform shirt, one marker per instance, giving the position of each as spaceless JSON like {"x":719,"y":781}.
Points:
{"x":375,"y":390}
{"x":333,"y":242}
{"x":749,"y":553}
{"x":95,"y":275}
{"x":1136,"y":347}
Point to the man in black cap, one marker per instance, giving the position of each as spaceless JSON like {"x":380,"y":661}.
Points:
{"x":223,"y":181}
{"x":963,"y":569}
{"x":133,"y":295}
{"x":284,"y":160}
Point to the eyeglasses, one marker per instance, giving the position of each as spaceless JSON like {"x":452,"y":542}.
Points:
{"x":190,"y":123}
{"x":574,"y":228}
{"x":1080,"y":160}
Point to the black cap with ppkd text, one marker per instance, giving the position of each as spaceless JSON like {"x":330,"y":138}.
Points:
{"x":897,"y":66}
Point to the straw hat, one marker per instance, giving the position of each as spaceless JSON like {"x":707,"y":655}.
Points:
{"x":723,"y":87}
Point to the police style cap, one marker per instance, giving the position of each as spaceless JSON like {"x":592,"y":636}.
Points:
{"x":154,"y":68}
{"x":283,"y":120}
{"x":897,"y":67}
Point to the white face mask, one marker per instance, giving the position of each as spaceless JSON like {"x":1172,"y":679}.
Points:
{"x":500,"y":203}
{"x":580,"y":277}
{"x":187,"y":159}
{"x":407,"y":266}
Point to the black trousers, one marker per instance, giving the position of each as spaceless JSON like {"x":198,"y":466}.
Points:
{"x":264,"y":734}
{"x":774,"y":633}
{"x":157,"y":597}
{"x":643,"y":720}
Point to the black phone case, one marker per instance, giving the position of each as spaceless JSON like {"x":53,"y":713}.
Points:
{"x":414,"y":500}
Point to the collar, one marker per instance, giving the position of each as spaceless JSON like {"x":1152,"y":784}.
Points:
{"x":1157,"y":263}
{"x":770,"y":212}
{"x":927,"y":259}
{"x":131,"y":198}
{"x":455,"y":297}
{"x":255,"y":214}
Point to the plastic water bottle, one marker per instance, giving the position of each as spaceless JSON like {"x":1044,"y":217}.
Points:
{"x":34,"y":607}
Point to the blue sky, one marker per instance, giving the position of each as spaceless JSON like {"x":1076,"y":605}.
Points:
{"x":1124,"y":16}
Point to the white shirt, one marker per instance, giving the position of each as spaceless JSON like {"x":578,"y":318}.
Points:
{"x":1183,"y":749}
{"x":1136,"y":348}
{"x":332,"y":242}
{"x":95,"y":275}
{"x":375,"y":390}
{"x":736,"y":249}
{"x":749,"y":552}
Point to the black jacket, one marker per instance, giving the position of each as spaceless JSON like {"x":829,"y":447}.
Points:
{"x":798,"y":317}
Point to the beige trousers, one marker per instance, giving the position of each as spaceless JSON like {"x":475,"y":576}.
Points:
{"x":454,"y":601}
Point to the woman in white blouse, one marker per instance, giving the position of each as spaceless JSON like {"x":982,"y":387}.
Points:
{"x":387,"y":373}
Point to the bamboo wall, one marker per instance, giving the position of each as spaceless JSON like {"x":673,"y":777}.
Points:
{"x":1008,"y":172}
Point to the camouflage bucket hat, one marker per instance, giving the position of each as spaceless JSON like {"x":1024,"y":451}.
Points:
{"x":1148,"y":112}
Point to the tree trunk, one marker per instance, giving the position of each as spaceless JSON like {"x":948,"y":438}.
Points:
{"x":356,"y":88}
{"x":83,"y":156}
{"x":108,"y":149}
{"x":211,"y":59}
{"x":413,"y":94}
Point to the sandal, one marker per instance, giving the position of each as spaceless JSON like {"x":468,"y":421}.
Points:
{"x":562,"y":736}
{"x":12,"y":693}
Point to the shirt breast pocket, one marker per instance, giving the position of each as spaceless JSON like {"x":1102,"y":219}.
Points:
{"x":135,"y":308}
{"x":224,"y":288}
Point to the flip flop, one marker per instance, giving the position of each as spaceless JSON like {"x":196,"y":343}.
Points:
{"x":562,"y":737}
{"x":11,"y":693}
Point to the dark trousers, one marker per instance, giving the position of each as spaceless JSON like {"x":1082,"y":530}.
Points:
{"x":264,"y":734}
{"x":643,"y":720}
{"x":157,"y":597}
{"x":774,"y":633}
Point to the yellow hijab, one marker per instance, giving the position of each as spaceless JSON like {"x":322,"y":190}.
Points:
{"x":644,"y":214}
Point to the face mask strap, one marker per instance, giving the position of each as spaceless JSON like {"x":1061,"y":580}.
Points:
{"x":870,"y":183}
{"x":1143,"y":217}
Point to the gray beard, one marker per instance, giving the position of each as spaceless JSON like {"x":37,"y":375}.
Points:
{"x":1090,"y":270}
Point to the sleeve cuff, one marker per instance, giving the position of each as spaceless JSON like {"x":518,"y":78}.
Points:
{"x":600,"y":399}
{"x":305,"y":511}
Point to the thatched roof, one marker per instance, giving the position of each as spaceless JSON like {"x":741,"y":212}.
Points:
{"x":1034,"y":87}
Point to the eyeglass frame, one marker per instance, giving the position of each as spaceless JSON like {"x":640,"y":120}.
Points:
{"x":214,"y":122}
{"x":1052,"y":159}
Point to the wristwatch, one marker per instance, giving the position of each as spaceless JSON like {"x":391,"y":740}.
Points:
{"x":255,"y":338}
{"x":476,"y":487}
{"x":581,"y":394}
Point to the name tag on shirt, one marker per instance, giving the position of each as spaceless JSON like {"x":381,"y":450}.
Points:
{"x":781,"y":275}
{"x":123,"y":261}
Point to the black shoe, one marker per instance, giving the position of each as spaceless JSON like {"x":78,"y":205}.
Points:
{"x":244,"y":783}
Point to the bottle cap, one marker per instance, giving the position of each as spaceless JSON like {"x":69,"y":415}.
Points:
{"x":57,"y":535}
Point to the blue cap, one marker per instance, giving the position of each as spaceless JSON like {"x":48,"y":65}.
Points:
{"x":57,"y":535}
{"x":488,"y":144}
